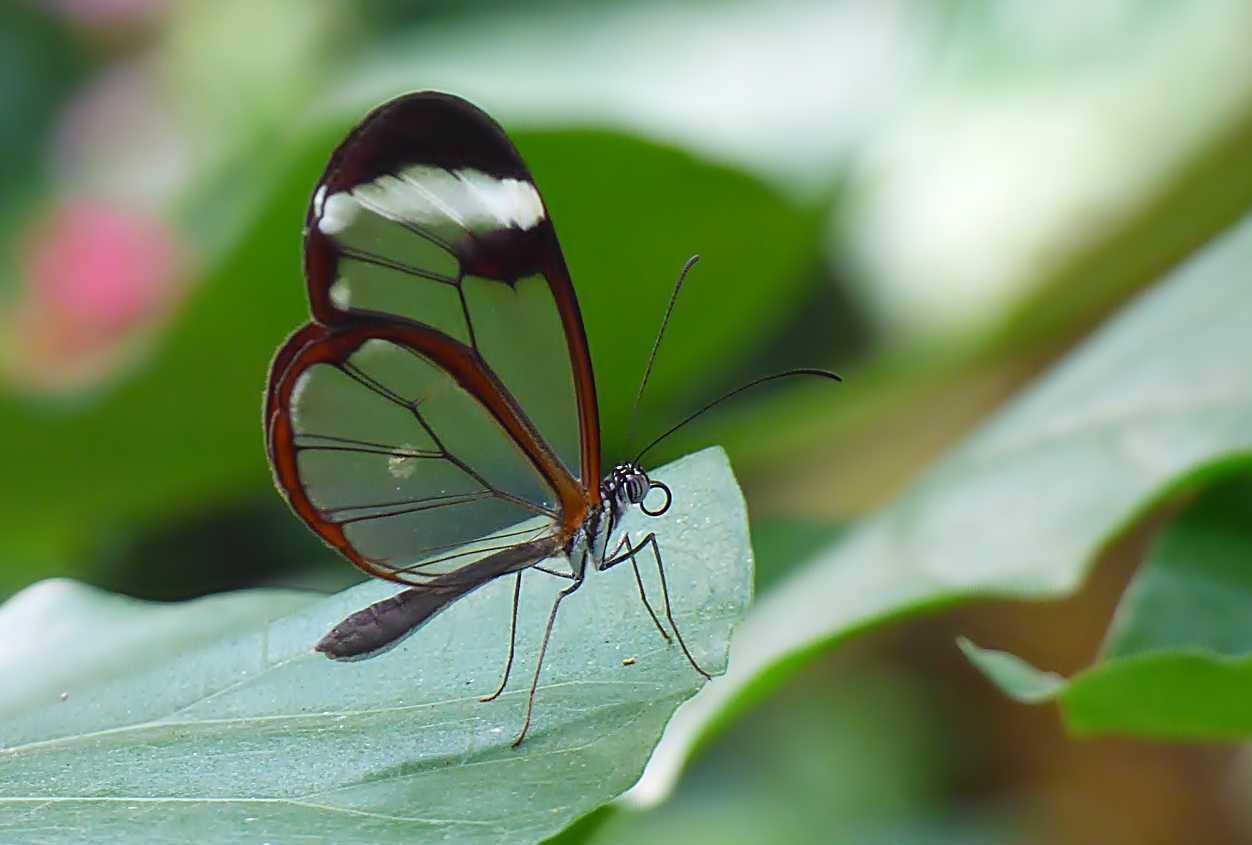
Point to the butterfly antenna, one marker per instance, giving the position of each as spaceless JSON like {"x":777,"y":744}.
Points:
{"x":647,"y":372}
{"x":754,"y":383}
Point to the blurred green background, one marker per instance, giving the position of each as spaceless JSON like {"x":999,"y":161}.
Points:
{"x":936,"y":199}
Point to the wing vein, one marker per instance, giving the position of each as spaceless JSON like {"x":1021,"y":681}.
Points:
{"x":413,"y":569}
{"x":418,"y":505}
{"x":434,"y":200}
{"x":370,"y":383}
{"x":398,"y":266}
{"x":369,"y":449}
{"x":411,"y":225}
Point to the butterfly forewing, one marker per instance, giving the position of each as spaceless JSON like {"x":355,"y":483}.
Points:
{"x":441,"y":409}
{"x":451,"y":232}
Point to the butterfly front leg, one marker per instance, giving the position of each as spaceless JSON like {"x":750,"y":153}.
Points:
{"x":517,"y":594}
{"x":617,"y":556}
{"x":630,"y":552}
{"x":625,"y":551}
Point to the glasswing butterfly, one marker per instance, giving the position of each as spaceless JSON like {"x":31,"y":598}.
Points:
{"x":436,"y":420}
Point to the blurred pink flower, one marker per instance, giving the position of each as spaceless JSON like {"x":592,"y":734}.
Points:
{"x":97,"y":279}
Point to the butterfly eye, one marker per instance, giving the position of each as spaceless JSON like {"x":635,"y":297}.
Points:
{"x":636,"y":487}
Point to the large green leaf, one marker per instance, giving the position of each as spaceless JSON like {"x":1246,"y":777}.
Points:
{"x":1178,"y":659}
{"x":1157,"y":397}
{"x":253,"y":737}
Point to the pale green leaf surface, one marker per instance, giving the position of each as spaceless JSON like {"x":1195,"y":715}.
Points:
{"x":1023,"y":506}
{"x":1014,"y":676}
{"x":59,"y":635}
{"x":253,"y":737}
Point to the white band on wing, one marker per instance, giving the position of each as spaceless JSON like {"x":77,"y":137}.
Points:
{"x":421,"y":194}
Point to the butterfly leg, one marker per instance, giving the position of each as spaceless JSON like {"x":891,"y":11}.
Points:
{"x":508,"y":666}
{"x":568,"y":576}
{"x":630,"y":553}
{"x":613,"y":558}
{"x":517,"y":592}
{"x":543,"y":650}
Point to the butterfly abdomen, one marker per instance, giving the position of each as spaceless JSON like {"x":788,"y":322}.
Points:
{"x":385,"y":624}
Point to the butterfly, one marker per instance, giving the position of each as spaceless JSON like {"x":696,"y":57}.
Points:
{"x":436,"y":419}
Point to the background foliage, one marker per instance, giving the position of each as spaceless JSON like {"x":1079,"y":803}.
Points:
{"x":1010,"y":226}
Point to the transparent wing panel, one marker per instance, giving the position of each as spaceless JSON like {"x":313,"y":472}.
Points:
{"x":363,"y":285}
{"x":400,"y":239}
{"x":410,"y":465}
{"x":387,"y":267}
{"x":519,"y":334}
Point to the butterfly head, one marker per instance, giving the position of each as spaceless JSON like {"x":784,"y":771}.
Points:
{"x":627,"y":484}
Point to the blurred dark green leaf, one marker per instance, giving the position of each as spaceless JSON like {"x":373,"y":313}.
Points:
{"x":785,"y":543}
{"x":629,"y":213}
{"x":40,"y":63}
{"x":182,"y":434}
{"x":255,"y":541}
{"x":1194,"y":589}
{"x":852,"y":756}
{"x":1178,"y":694}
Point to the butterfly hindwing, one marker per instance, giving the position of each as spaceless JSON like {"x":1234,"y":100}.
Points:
{"x":390,"y":458}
